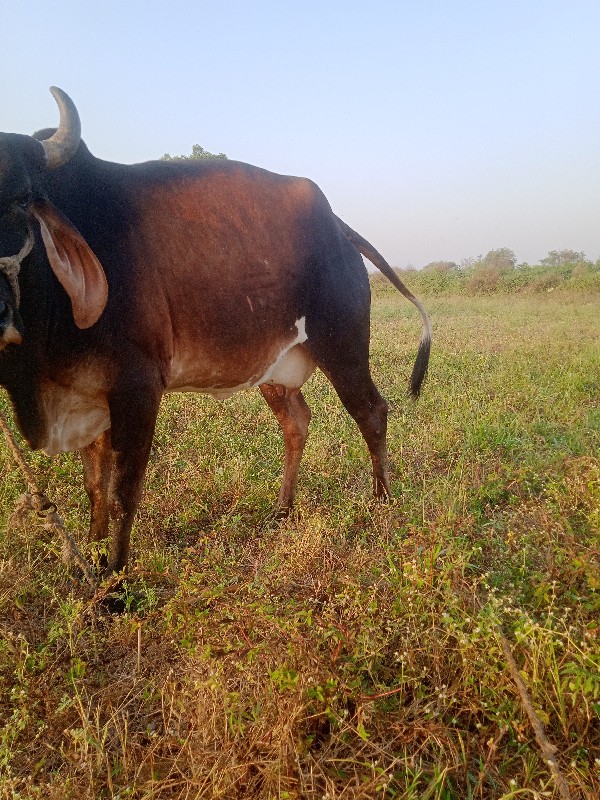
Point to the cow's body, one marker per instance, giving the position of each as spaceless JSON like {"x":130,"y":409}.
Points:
{"x":221,"y":276}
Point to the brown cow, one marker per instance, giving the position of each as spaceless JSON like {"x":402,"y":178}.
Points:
{"x":120,"y":283}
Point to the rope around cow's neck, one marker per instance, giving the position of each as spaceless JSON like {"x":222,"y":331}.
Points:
{"x":11,"y":266}
{"x":36,"y":500}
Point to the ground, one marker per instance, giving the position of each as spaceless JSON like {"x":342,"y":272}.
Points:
{"x":353,"y":650}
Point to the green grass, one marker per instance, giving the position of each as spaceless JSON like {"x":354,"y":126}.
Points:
{"x":351,"y":651}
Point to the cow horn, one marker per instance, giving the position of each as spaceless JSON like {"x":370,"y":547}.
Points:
{"x":61,"y":146}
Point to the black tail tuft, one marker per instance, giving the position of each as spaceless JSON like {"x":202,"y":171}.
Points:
{"x":420,"y":368}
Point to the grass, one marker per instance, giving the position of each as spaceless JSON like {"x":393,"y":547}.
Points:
{"x":351,"y":651}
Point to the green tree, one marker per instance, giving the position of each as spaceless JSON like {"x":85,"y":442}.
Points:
{"x":501,"y":260}
{"x":196,"y":154}
{"x":559,"y":258}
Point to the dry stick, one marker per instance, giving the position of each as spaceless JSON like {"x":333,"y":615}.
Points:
{"x":35,"y":500}
{"x":139,"y":648}
{"x":548,"y":749}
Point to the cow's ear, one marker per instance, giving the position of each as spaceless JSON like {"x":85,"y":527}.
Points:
{"x":74,"y":264}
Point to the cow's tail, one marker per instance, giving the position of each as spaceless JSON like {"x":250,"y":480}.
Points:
{"x":368,"y":251}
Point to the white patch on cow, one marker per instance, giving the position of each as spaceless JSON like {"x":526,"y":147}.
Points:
{"x":75,"y":415}
{"x":294,"y":365}
{"x":291,"y":368}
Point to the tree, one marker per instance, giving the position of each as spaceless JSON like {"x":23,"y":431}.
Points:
{"x":501,"y":260}
{"x":559,"y":258}
{"x":488,"y":271}
{"x":196,"y":154}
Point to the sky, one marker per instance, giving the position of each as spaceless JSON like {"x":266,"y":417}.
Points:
{"x":438,"y":129}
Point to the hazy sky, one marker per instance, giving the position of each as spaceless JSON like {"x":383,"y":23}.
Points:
{"x":439,"y":129}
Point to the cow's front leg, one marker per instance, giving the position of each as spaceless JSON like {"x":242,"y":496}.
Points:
{"x":133,"y":417}
{"x":97,"y":461}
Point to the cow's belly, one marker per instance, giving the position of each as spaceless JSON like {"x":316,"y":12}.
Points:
{"x":74,"y":416}
{"x":289,"y":364}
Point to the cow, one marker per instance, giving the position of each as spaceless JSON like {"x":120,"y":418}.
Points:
{"x":119,"y":283}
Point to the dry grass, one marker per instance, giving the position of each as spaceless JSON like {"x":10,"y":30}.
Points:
{"x":351,"y":651}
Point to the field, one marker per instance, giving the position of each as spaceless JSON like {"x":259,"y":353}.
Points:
{"x":354,"y":650}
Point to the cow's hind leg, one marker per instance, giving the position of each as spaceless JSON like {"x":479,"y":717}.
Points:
{"x":293,"y":415}
{"x":363,"y":402}
{"x":338,"y":330}
{"x":347,"y":366}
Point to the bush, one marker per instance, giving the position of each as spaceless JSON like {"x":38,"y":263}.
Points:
{"x":482,"y":279}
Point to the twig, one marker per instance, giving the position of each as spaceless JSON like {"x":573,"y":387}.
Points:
{"x":245,"y":637}
{"x":369,"y":698}
{"x":548,"y":749}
